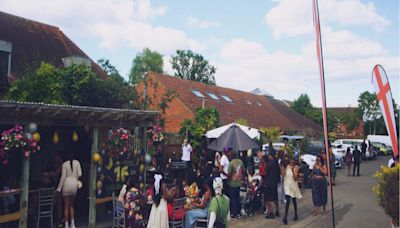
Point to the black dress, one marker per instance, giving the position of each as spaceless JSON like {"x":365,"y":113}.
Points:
{"x":319,"y":188}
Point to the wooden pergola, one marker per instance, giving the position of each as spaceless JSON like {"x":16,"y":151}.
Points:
{"x":23,"y":113}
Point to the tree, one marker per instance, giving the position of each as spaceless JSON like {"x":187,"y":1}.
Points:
{"x":192,"y":66}
{"x":350,"y":120}
{"x":272,"y":133}
{"x":369,"y":108}
{"x":241,"y":121}
{"x":74,"y":85}
{"x":145,"y":61}
{"x":111,"y":70}
{"x":302,"y":104}
{"x":205,"y":119}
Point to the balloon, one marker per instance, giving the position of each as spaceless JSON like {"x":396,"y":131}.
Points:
{"x":99,"y":184}
{"x":100,"y":162}
{"x":103,"y":152}
{"x":147,"y":158}
{"x":140,"y":178}
{"x":36,"y":136}
{"x":99,"y":169}
{"x":141,"y":168}
{"x":56,"y":139}
{"x":32,"y":127}
{"x":136,"y":153}
{"x":28,"y":135}
{"x":96,"y":157}
{"x":141,"y":185}
{"x":99,"y":192}
{"x":75,"y":136}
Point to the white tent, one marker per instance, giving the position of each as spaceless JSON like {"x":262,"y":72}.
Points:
{"x":251,"y":132}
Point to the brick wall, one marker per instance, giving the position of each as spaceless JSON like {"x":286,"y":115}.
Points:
{"x":174,"y":114}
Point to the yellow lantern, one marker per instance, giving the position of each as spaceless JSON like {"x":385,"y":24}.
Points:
{"x":75,"y":136}
{"x":141,"y":168}
{"x":56,"y":139}
{"x":99,"y":184}
{"x":36,"y":136}
{"x":96,"y":157}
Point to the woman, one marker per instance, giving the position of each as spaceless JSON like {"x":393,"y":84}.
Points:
{"x":175,"y":192}
{"x":199,"y":210}
{"x":69,"y":184}
{"x":292,"y":191}
{"x":319,"y":185}
{"x":128,"y":184}
{"x":159,"y":213}
{"x":332,"y":160}
{"x":262,"y":172}
{"x":349,"y":160}
{"x":219,"y":205}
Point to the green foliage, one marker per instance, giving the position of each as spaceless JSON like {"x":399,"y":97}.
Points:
{"x":302,"y":104}
{"x":145,"y":61}
{"x":205,"y":119}
{"x":111,"y":71}
{"x":272,"y":133}
{"x":74,"y":85}
{"x":192,"y":66}
{"x":350,"y":120}
{"x":241,"y":121}
{"x":387,"y":191}
{"x":368,"y":106}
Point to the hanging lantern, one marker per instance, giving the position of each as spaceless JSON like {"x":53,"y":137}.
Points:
{"x":32,"y":127}
{"x":96,"y":157}
{"x":75,"y":136}
{"x":56,"y":139}
{"x":36,"y":136}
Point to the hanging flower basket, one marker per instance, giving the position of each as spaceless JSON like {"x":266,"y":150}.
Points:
{"x":14,"y":139}
{"x":156,"y":135}
{"x":119,"y":142}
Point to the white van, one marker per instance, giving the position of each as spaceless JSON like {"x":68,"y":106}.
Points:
{"x":345,"y":143}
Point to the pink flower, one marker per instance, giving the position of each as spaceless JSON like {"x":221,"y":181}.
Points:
{"x":26,"y":153}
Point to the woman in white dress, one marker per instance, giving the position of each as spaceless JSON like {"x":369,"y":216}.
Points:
{"x":69,"y":184}
{"x":292,"y":191}
{"x":159,"y":212}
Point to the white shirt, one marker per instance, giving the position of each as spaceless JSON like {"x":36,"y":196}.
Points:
{"x":186,"y":151}
{"x":225,"y":163}
{"x":390,"y":162}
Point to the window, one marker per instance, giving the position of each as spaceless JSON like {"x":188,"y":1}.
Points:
{"x":259,"y":104}
{"x":226,"y":98}
{"x":213,"y":96}
{"x":249,"y":102}
{"x":198,"y":94}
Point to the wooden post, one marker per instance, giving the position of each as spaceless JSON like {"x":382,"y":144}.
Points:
{"x":93,"y":177}
{"x":25,"y":193}
{"x":145,"y":153}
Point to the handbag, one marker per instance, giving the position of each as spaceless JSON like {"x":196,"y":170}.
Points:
{"x":219,"y":222}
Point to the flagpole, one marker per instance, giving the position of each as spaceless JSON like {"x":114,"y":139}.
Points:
{"x":323,"y":96}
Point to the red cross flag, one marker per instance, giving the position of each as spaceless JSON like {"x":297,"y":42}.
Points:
{"x":384,"y":96}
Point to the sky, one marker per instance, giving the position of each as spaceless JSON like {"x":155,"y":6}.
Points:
{"x":266,"y":44}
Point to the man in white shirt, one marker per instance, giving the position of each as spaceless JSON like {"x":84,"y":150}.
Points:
{"x":223,"y":168}
{"x":186,"y":151}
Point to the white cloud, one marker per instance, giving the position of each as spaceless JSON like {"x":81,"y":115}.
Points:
{"x":203,"y":24}
{"x":294,"y":17}
{"x":116,"y":23}
{"x":286,"y":75}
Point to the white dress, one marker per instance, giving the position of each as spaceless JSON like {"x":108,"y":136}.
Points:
{"x":69,"y":178}
{"x":290,"y":185}
{"x":159,"y":215}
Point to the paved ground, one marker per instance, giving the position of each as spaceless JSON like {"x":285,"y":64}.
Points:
{"x":355,"y":204}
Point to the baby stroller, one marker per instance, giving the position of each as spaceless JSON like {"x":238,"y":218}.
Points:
{"x":253,"y":197}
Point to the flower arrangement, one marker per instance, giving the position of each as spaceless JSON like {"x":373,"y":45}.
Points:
{"x":15,"y":139}
{"x":157,"y":134}
{"x":387,"y":191}
{"x":132,"y":205}
{"x":119,"y":142}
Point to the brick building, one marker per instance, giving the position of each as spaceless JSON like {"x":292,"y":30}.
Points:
{"x":341,"y":130}
{"x":25,"y":43}
{"x":259,"y":111}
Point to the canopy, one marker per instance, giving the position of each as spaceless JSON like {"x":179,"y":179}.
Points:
{"x":234,"y":138}
{"x":215,"y":133}
{"x":291,"y":137}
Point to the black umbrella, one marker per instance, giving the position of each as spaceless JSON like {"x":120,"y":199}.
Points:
{"x":234,"y":138}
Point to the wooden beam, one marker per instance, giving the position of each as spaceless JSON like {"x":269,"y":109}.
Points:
{"x":54,"y":114}
{"x":104,"y":200}
{"x":93,"y":177}
{"x":89,"y":116}
{"x":105,"y":115}
{"x":10,"y":217}
{"x":37,"y":111}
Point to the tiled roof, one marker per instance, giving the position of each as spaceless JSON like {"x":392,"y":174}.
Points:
{"x":259,"y":111}
{"x":34,"y":42}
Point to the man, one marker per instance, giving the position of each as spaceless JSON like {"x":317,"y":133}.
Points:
{"x":364,"y":149}
{"x":356,"y":161}
{"x":186,"y":152}
{"x":272,"y":178}
{"x":235,"y":178}
{"x":223,"y":168}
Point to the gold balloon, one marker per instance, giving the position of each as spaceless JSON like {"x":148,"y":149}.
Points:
{"x":99,"y":184}
{"x":96,"y":157}
{"x":141,"y":168}
{"x":135,"y":153}
{"x":141,"y":185}
{"x":56,"y":139}
{"x":36,"y":136}
{"x":75,"y":136}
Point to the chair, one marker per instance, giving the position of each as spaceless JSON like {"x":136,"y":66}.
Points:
{"x":118,"y":213}
{"x":177,"y":206}
{"x":45,"y":210}
{"x":202,"y":222}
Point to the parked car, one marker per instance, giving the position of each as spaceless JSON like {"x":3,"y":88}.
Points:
{"x":370,"y":153}
{"x":310,"y":156}
{"x":382,"y":148}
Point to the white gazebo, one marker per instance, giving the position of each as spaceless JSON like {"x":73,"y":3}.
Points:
{"x":251,"y":132}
